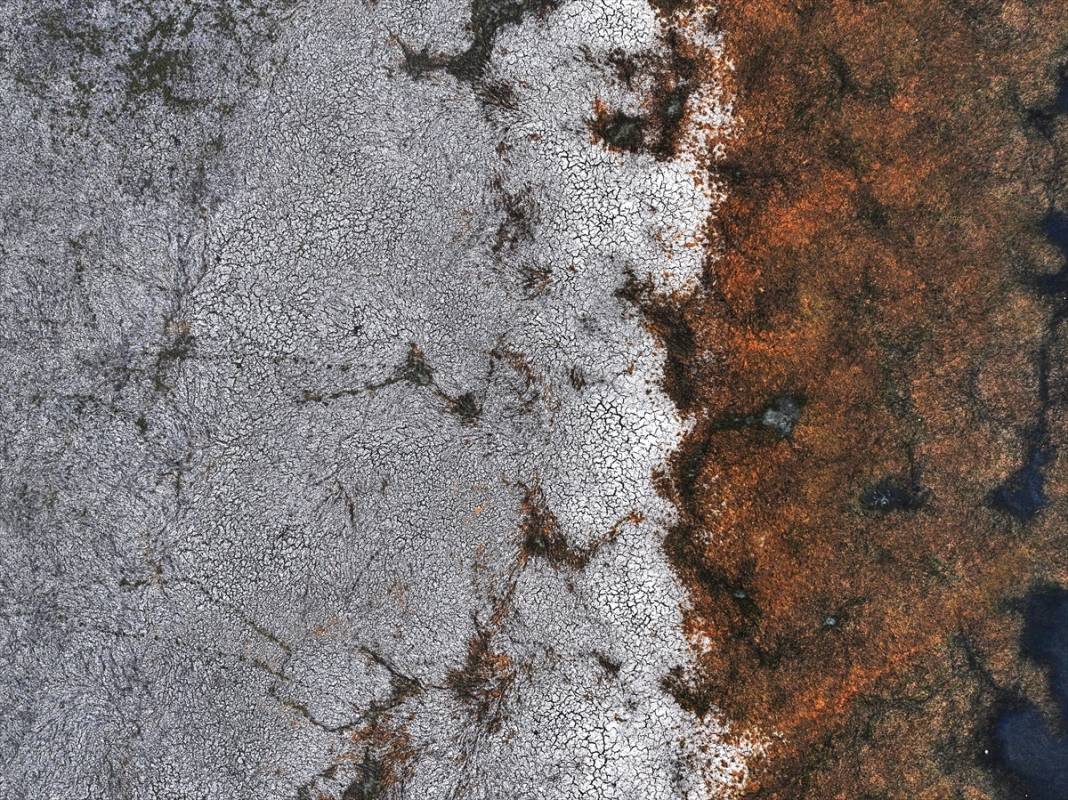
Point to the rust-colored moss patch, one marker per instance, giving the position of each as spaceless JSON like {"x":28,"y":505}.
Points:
{"x":875,"y":368}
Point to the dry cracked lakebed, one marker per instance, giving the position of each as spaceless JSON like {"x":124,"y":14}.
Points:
{"x":534,"y":400}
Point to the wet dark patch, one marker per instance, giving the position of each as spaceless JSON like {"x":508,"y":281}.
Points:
{"x":179,"y":346}
{"x":1060,"y":101}
{"x":669,"y":7}
{"x":780,"y":416}
{"x":488,"y":17}
{"x":520,"y":216}
{"x":418,"y":63}
{"x":537,"y":279}
{"x":161,"y":61}
{"x":415,"y":369}
{"x":667,"y":321}
{"x":626,"y":65}
{"x":1022,"y":494}
{"x":871,"y":212}
{"x":467,"y":407}
{"x":169,"y":56}
{"x":609,"y":665}
{"x":542,"y":536}
{"x":1054,"y":227}
{"x":674,"y":333}
{"x":686,"y":692}
{"x":675,"y":83}
{"x":655,"y":129}
{"x":894,"y":493}
{"x":689,"y":463}
{"x":484,"y":680}
{"x":498,"y":93}
{"x":370,"y":783}
{"x":1045,"y":117}
{"x":620,"y":131}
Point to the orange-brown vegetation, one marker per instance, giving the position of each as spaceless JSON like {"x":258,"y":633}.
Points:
{"x":875,"y":274}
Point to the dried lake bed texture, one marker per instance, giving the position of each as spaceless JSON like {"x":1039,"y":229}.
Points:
{"x":533,"y":399}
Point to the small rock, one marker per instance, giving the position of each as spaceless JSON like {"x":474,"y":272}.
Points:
{"x":782,"y":415}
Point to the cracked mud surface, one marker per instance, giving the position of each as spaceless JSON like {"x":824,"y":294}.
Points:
{"x":328,"y":441}
{"x":533,"y":399}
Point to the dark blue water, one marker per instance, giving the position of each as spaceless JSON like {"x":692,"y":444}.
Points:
{"x":1023,"y":494}
{"x":1045,"y":638}
{"x":1025,"y":744}
{"x":1055,"y":229}
{"x":1060,"y":104}
{"x":1038,"y":758}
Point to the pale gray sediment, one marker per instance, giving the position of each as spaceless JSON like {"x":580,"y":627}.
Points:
{"x":300,"y":345}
